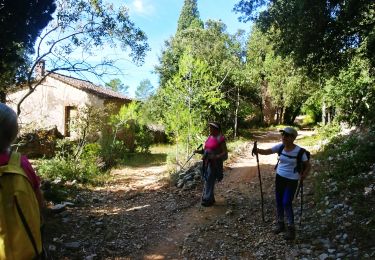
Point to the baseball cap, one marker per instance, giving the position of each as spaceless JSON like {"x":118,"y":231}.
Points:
{"x":289,"y":130}
{"x":215,"y":124}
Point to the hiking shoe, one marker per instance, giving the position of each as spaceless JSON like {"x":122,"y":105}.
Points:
{"x":290,"y":233}
{"x":280,"y":227}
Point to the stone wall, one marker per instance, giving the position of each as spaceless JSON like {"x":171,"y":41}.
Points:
{"x":38,"y":143}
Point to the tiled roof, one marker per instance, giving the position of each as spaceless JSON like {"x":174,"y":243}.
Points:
{"x":88,"y":86}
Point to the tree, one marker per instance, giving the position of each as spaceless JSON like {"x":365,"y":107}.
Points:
{"x":129,"y":124}
{"x":81,"y":30}
{"x":117,"y":85}
{"x":189,"y":20}
{"x":21,"y":23}
{"x":224,"y":55}
{"x":144,"y":90}
{"x":189,"y":16}
{"x":189,"y":100}
{"x":352,"y":93}
{"x":320,"y":35}
{"x":282,"y":87}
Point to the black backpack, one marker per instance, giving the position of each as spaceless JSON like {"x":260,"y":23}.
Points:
{"x":299,"y":167}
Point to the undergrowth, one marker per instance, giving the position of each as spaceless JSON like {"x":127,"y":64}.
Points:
{"x":346,"y":176}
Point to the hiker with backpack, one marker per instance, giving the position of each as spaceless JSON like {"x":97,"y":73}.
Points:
{"x":214,"y":153}
{"x":20,"y":197}
{"x":293,"y":165}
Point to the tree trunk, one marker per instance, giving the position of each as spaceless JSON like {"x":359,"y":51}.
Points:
{"x":329,"y":115}
{"x":236,"y":112}
{"x":278,"y":115}
{"x":261,"y":111}
{"x":295,"y":114}
{"x":324,"y":122}
{"x":281,"y":118}
{"x":177,"y":162}
{"x":290,"y":114}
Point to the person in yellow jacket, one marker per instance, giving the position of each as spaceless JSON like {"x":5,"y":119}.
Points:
{"x":20,"y":197}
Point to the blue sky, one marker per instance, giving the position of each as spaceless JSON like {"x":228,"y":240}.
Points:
{"x":158,"y":19}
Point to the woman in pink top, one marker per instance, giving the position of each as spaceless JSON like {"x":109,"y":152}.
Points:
{"x":8,"y":132}
{"x":214,"y":153}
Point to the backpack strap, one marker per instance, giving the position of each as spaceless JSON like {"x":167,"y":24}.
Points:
{"x":27,"y":228}
{"x":299,"y":166}
{"x":13,"y":166}
{"x":300,"y":154}
{"x":280,"y":149}
{"x":278,"y":155}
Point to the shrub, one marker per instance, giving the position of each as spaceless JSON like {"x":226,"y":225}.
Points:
{"x":345,"y":165}
{"x":67,"y":166}
{"x":143,"y":139}
{"x":111,"y":150}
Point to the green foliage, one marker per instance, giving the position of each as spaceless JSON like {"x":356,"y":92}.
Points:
{"x":91,"y":151}
{"x":167,"y":149}
{"x":144,"y":159}
{"x":82,"y":29}
{"x":312,"y":106}
{"x":117,"y":85}
{"x":329,"y":131}
{"x":144,"y":90}
{"x":205,"y":66}
{"x":308,"y":120}
{"x":276,"y":78}
{"x":313,"y":53}
{"x":135,"y":135}
{"x":112,"y":150}
{"x":190,"y":99}
{"x":320,"y":35}
{"x":22,"y":22}
{"x":67,"y":167}
{"x":90,"y":120}
{"x":86,"y":162}
{"x":352,"y":93}
{"x":143,"y":139}
{"x":86,"y":25}
{"x":58,"y":192}
{"x":189,"y":16}
{"x":345,"y":163}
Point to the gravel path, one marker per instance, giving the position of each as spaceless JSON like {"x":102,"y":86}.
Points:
{"x":138,"y":216}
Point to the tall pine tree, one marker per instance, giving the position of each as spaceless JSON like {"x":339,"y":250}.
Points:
{"x":189,"y":16}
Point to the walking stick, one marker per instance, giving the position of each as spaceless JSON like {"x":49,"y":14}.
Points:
{"x":300,"y":189}
{"x":260,"y":178}
{"x":191,"y":156}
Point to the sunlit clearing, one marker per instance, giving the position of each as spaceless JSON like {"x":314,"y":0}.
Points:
{"x":154,"y":257}
{"x":139,"y":207}
{"x":112,"y":211}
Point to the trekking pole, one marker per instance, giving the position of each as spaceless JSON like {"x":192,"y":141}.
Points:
{"x":260,"y":178}
{"x":191,"y":156}
{"x":300,"y":190}
{"x":300,"y":217}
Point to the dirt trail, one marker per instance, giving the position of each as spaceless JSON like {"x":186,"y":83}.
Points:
{"x":138,"y":217}
{"x":238,"y":175}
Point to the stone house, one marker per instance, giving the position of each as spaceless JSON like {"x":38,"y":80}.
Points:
{"x":55,"y":102}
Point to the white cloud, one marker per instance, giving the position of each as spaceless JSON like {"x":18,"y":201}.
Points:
{"x":142,"y":7}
